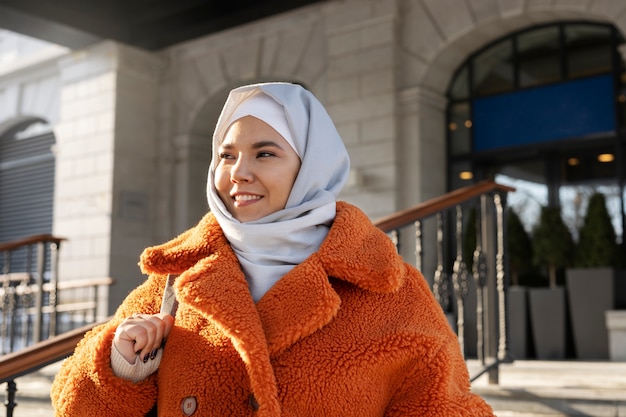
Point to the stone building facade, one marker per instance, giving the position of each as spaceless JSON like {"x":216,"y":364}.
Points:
{"x":133,"y":128}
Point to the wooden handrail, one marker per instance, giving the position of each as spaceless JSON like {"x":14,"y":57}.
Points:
{"x":32,"y":358}
{"x":29,"y":240}
{"x":437,"y":204}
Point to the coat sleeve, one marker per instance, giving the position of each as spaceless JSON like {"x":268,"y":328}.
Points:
{"x":435,"y":381}
{"x":436,"y":389}
{"x":86,"y":386}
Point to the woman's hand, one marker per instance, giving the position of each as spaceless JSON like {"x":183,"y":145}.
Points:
{"x":142,"y":335}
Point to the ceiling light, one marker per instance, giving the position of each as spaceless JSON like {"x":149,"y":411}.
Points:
{"x":606,"y":157}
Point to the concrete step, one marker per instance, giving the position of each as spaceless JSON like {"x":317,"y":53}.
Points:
{"x":525,"y":389}
{"x":556,"y":388}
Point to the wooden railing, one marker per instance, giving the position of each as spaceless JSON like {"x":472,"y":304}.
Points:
{"x":37,"y":356}
{"x":488,"y":273}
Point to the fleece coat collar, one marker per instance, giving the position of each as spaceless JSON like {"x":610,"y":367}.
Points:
{"x":302,"y":302}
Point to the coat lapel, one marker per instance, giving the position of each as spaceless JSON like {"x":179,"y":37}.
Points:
{"x":302,"y":302}
{"x":221,"y":294}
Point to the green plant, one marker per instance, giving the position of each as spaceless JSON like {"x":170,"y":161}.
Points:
{"x":552,"y":242}
{"x":519,"y":246}
{"x":597,"y":244}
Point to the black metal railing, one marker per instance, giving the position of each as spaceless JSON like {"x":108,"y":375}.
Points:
{"x":467,"y":264}
{"x":35,"y":306}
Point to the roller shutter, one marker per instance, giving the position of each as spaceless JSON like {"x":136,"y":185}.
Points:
{"x":26,"y":185}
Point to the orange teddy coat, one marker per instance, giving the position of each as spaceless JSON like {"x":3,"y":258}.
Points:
{"x":353,"y":331}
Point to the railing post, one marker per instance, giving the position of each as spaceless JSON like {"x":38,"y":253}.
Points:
{"x":500,"y":201}
{"x":480,"y":276}
{"x":459,"y":278}
{"x":41,"y":264}
{"x":10,"y":401}
{"x":54,"y":270}
{"x":419,"y":252}
{"x":4,"y":302}
{"x":490,"y":301}
{"x":441,"y":287}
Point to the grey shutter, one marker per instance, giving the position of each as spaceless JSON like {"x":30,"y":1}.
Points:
{"x":26,"y":187}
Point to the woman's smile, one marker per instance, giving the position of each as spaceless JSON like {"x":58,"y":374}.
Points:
{"x":243,"y":199}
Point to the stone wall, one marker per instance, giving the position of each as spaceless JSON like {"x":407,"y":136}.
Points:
{"x":134,"y":128}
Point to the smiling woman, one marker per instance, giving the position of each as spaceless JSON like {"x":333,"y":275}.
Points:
{"x":289,"y":302}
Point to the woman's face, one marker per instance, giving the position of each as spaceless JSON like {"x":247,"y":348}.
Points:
{"x":256,"y":169}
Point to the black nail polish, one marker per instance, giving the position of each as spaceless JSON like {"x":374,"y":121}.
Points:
{"x":145,"y":358}
{"x":153,"y":354}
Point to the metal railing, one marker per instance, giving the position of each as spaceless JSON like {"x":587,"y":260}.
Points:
{"x":35,"y":306}
{"x":35,"y":357}
{"x":452,"y":280}
{"x":468,"y":263}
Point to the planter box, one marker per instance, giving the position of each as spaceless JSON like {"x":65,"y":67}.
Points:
{"x":547,"y":315}
{"x":620,"y":289}
{"x":591,"y":292}
{"x":616,"y":326}
{"x":518,"y":322}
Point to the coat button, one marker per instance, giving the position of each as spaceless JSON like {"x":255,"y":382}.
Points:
{"x":252,"y":402}
{"x":189,"y":405}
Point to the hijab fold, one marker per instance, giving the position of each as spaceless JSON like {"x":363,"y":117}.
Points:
{"x":270,"y":247}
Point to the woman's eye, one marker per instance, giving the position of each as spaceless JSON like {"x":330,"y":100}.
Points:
{"x":265,"y":154}
{"x":225,"y":155}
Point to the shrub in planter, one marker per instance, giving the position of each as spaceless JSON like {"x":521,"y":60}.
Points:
{"x":593,"y":281}
{"x":520,"y":249}
{"x":552,"y":248}
{"x":552,"y":242}
{"x":520,"y":257}
{"x":597,"y":246}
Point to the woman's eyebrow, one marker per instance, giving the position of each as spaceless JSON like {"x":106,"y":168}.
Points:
{"x":264,"y":143}
{"x":255,"y":145}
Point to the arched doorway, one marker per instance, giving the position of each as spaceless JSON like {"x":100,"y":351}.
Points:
{"x":543,"y":109}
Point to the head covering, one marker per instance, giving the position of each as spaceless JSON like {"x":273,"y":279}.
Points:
{"x":270,"y":247}
{"x":267,"y":109}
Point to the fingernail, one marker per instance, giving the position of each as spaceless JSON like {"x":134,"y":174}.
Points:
{"x":153,"y":353}
{"x":145,"y":358}
{"x":162,"y":343}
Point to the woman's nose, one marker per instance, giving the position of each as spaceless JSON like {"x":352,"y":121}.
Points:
{"x":241,"y":171}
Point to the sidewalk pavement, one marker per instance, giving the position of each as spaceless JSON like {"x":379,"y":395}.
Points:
{"x":526,"y":389}
{"x":556,"y":388}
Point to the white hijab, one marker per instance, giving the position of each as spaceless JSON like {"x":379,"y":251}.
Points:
{"x":270,"y":247}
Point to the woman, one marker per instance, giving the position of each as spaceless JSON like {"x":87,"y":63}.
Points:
{"x":289,"y":303}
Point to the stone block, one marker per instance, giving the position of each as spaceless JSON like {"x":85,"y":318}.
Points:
{"x":616,"y":326}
